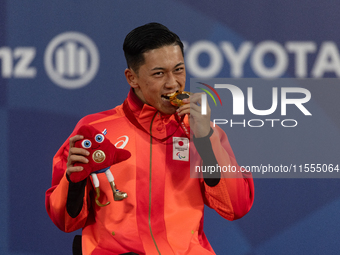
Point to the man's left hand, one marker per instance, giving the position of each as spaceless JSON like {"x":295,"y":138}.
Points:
{"x":199,"y":124}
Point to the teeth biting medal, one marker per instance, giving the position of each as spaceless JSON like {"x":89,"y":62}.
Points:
{"x":177,"y":98}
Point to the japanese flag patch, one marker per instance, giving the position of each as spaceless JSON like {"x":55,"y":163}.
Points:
{"x":180,"y":148}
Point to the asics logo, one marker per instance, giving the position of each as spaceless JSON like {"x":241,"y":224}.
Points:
{"x":123,"y":142}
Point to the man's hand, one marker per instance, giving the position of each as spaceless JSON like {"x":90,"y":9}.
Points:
{"x":199,"y":124}
{"x":76,"y":155}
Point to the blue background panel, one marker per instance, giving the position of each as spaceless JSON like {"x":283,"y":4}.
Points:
{"x":28,"y":219}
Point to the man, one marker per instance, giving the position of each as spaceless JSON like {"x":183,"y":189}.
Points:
{"x":163,"y":213}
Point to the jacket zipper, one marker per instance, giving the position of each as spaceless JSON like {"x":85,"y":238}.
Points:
{"x":150,"y":182}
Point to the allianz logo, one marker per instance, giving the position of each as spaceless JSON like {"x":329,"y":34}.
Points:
{"x":71,"y":61}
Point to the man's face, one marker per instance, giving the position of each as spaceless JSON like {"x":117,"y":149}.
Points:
{"x":161,"y":75}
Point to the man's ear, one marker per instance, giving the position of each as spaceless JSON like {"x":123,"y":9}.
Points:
{"x":131,"y":77}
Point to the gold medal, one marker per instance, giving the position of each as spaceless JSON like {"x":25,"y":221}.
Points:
{"x":177,"y":98}
{"x":98,"y":156}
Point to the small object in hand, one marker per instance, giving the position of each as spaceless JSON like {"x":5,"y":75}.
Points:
{"x":177,"y":98}
{"x":104,"y":155}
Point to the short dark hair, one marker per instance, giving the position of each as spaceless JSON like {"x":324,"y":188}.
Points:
{"x":144,"y":38}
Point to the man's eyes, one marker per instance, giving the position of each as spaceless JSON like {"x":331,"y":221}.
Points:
{"x":161,"y":73}
{"x":158,"y":74}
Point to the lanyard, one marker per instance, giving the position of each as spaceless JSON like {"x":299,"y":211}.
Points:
{"x":185,"y":129}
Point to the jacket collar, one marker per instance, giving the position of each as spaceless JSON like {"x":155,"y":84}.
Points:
{"x":144,"y":114}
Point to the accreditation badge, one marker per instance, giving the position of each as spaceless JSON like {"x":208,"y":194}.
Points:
{"x":180,"y":148}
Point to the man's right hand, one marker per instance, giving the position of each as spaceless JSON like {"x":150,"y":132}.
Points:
{"x":76,"y":155}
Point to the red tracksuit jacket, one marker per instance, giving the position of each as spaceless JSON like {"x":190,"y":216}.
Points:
{"x":163,"y":213}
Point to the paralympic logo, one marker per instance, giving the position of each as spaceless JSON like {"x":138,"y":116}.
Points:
{"x":179,"y":155}
{"x":204,"y":97}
